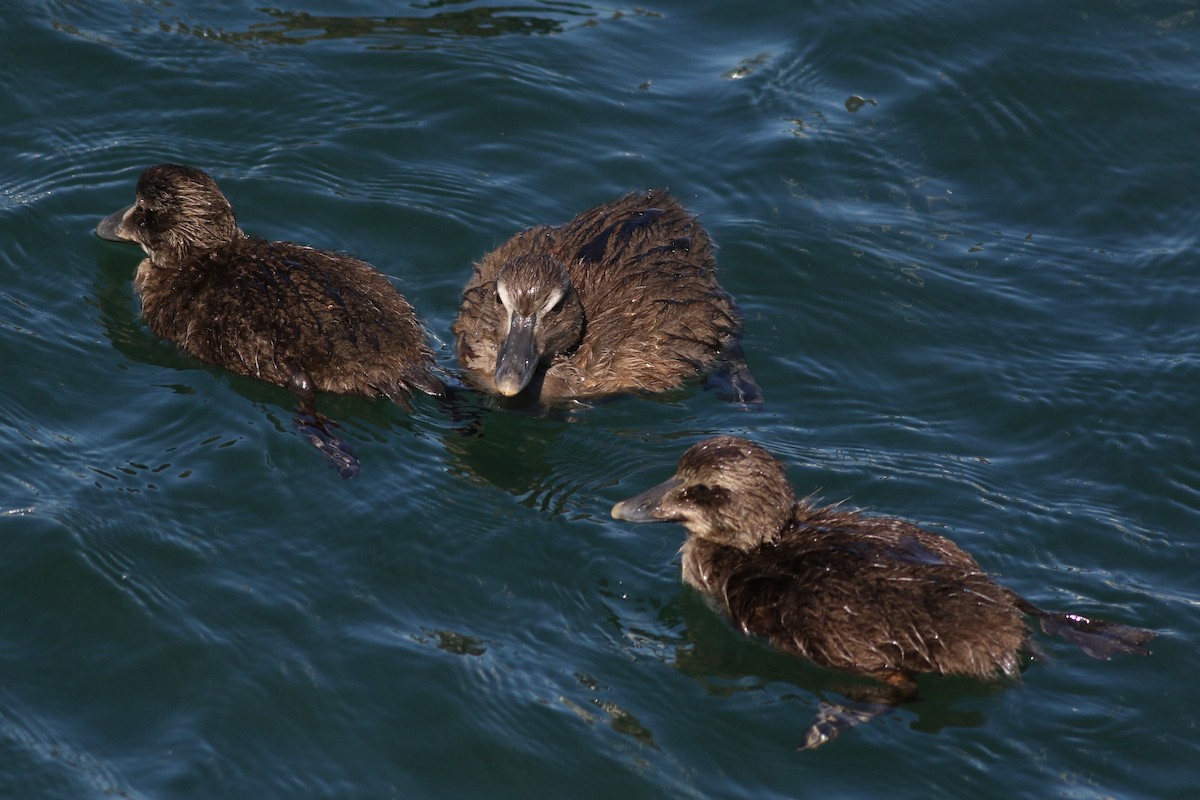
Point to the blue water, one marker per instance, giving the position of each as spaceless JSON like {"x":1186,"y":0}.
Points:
{"x":964,"y":239}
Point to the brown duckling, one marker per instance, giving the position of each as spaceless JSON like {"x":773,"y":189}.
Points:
{"x":304,"y":319}
{"x":623,"y":298}
{"x":872,"y":595}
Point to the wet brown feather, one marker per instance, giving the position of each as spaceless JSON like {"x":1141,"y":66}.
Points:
{"x":268,"y":309}
{"x":870,"y":594}
{"x":653,"y":313}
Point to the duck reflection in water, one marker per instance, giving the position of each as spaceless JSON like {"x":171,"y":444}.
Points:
{"x":623,"y":298}
{"x":875,"y":596}
{"x":304,"y":319}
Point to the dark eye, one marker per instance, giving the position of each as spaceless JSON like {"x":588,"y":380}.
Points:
{"x":705,"y":496}
{"x":562,"y":301}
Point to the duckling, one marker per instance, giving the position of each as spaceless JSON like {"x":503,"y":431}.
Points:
{"x":871,"y":595}
{"x":623,"y":298}
{"x":305,"y":319}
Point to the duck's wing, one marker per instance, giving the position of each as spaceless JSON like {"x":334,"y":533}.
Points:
{"x":631,"y":228}
{"x":845,"y":603}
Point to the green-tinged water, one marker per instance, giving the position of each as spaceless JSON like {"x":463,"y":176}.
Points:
{"x":964,"y":240}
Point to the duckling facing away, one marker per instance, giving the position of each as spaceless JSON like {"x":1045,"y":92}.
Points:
{"x":623,"y":298}
{"x":304,"y":319}
{"x":876,"y":596}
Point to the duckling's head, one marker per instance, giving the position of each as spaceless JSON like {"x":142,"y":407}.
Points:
{"x":727,"y":490}
{"x":179,"y":211}
{"x":541,"y":317}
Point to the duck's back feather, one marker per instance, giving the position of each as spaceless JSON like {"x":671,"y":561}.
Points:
{"x":655,"y":315}
{"x":877,"y":596}
{"x":270,"y":309}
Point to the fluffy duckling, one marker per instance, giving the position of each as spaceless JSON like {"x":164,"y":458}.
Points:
{"x":876,"y":596}
{"x":304,"y":319}
{"x":623,"y":298}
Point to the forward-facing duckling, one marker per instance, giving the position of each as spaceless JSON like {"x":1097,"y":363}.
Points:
{"x":304,"y":319}
{"x":872,"y":595}
{"x":623,"y":298}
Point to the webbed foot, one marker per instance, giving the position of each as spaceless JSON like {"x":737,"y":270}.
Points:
{"x":1097,"y":637}
{"x":337,"y":454}
{"x":833,"y":718}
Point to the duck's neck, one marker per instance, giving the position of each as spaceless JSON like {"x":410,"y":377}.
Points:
{"x":706,"y":565}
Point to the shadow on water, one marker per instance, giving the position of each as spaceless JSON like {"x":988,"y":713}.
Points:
{"x":112,"y":297}
{"x":513,"y":451}
{"x":353,"y":418}
{"x":726,"y":664}
{"x":531,"y":451}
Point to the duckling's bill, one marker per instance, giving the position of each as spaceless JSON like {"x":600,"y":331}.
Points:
{"x":110,"y":227}
{"x":644,"y":507}
{"x":518,"y":358}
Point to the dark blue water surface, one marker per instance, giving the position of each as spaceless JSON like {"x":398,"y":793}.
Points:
{"x":964,"y":239}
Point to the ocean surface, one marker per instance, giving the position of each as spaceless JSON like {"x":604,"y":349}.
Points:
{"x":964,"y":239}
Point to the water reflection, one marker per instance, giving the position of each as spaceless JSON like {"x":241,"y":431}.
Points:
{"x":726,"y":664}
{"x":516,"y":453}
{"x":617,"y":717}
{"x":353,"y":419}
{"x":394,"y":32}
